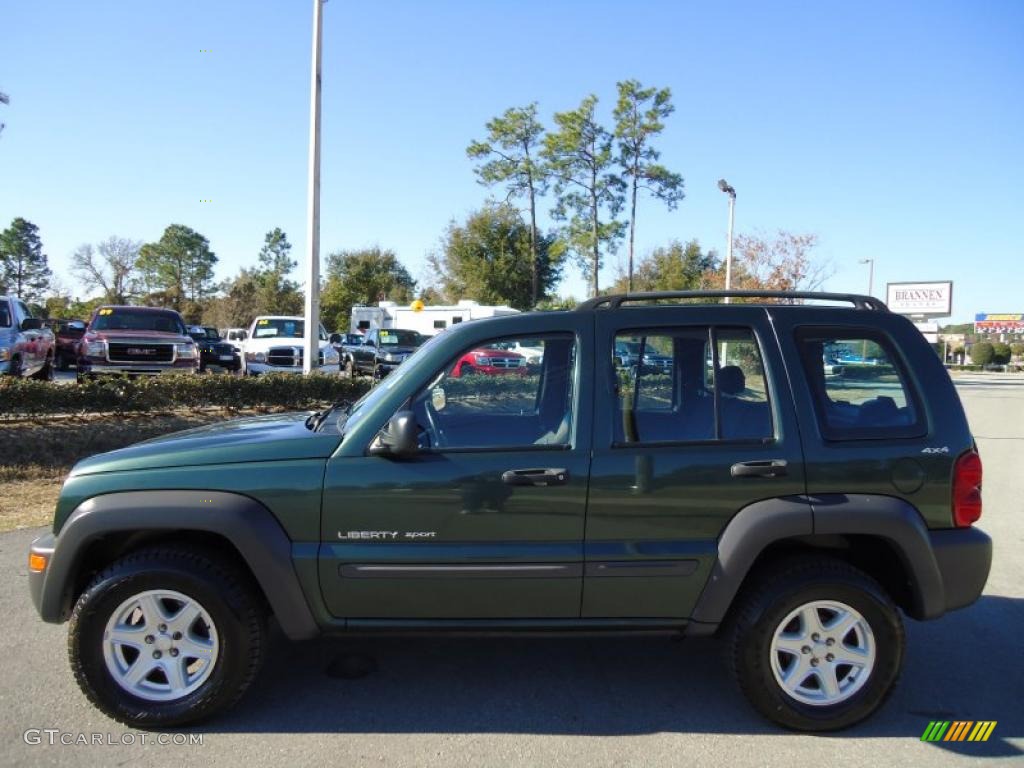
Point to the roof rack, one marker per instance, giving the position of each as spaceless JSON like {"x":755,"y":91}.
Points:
{"x":616,"y":300}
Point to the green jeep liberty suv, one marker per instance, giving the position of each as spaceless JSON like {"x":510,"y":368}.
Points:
{"x":791,"y":476}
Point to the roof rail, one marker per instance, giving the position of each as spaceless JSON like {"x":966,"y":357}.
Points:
{"x":616,"y":300}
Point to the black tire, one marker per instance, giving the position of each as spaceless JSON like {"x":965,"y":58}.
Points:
{"x":227,"y":594}
{"x":14,"y":369}
{"x":46,"y":372}
{"x":62,"y":362}
{"x":771,"y":596}
{"x":349,"y":369}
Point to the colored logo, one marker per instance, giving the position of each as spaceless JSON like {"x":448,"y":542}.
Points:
{"x":958,"y":730}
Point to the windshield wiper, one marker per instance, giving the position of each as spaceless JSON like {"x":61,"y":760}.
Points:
{"x":315,"y":420}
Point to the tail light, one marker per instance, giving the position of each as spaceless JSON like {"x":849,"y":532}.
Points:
{"x":967,"y":489}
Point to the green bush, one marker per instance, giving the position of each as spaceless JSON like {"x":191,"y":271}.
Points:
{"x":863,"y":371}
{"x":1000,"y":353}
{"x":168,"y":393}
{"x":982,"y":353}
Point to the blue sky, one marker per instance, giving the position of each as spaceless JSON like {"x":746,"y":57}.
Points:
{"x":892,"y":131}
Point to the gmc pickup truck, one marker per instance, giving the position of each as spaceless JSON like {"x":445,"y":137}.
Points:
{"x":26,"y":348}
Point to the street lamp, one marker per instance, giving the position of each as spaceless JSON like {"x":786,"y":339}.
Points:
{"x":871,"y":273}
{"x":311,"y":337}
{"x":728,"y":189}
{"x":871,"y":285}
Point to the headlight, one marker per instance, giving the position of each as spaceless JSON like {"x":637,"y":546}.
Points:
{"x":481,"y":360}
{"x":186,"y":351}
{"x":5,"y":354}
{"x":96,"y":349}
{"x":256,"y":357}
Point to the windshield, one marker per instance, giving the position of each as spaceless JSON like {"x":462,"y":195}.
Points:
{"x":403,"y":338}
{"x":282,"y":328}
{"x":212,"y":334}
{"x":346,"y":422}
{"x":108,"y":319}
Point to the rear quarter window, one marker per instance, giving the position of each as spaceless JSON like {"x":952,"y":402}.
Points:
{"x":859,"y":385}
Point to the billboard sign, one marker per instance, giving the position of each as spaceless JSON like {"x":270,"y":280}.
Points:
{"x":1000,"y":323}
{"x":920,"y":299}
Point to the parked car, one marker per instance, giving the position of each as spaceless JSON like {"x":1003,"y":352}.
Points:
{"x":26,"y":348}
{"x":381,"y":351}
{"x":136,"y":341}
{"x":627,"y":355}
{"x":274,"y":345}
{"x":69,"y":334}
{"x":491,"y":360}
{"x":236,"y":338}
{"x":214,"y":353}
{"x":531,"y":352}
{"x":768,"y":505}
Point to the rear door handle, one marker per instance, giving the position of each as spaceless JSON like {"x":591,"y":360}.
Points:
{"x":766,"y":468}
{"x":536,"y":477}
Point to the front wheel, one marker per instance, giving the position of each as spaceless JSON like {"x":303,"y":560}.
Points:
{"x":815,"y":644}
{"x":167,"y":636}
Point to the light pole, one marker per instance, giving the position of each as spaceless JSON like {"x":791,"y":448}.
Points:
{"x":311,"y":338}
{"x":871,"y":273}
{"x":871,"y":286}
{"x":725,"y":187}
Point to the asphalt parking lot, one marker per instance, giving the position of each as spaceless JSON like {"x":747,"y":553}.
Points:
{"x":546,"y":701}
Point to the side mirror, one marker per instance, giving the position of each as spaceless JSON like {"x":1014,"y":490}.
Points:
{"x":400,"y":438}
{"x":335,"y":338}
{"x":31,"y":324}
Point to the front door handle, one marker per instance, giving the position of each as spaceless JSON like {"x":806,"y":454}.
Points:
{"x":766,"y":468}
{"x":536,"y":477}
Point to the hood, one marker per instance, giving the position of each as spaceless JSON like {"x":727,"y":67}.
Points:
{"x":278,"y":437}
{"x":142,"y":337}
{"x":396,"y":349}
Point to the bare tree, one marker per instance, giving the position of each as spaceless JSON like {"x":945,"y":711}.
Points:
{"x":783,"y":262}
{"x":110,"y":267}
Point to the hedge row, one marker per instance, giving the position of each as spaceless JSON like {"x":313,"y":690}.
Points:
{"x":19,"y":397}
{"x":864,"y":371}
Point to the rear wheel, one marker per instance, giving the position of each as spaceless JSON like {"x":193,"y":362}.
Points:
{"x":815,"y":644}
{"x":167,"y":636}
{"x":350,"y":369}
{"x":14,"y":368}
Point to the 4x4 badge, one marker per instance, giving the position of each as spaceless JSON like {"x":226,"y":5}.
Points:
{"x":943,"y":449}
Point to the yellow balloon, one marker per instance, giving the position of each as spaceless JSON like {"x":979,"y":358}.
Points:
{"x":417,"y":306}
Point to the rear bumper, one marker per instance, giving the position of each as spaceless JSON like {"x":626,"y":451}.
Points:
{"x":964,"y":558}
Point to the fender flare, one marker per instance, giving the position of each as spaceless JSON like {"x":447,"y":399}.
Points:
{"x":763,"y":523}
{"x":245,"y":522}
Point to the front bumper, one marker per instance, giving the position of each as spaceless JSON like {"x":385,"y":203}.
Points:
{"x":964,"y":558}
{"x":143,"y":369}
{"x":255,"y":368}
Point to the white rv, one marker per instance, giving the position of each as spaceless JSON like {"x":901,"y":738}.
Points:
{"x":428,"y":320}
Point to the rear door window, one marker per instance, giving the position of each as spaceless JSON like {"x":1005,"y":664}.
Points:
{"x":860,"y":387}
{"x":689,"y":384}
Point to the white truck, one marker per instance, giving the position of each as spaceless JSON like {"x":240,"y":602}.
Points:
{"x":426,"y":319}
{"x":274,"y":344}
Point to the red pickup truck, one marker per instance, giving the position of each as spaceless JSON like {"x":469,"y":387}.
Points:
{"x":134,"y":341}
